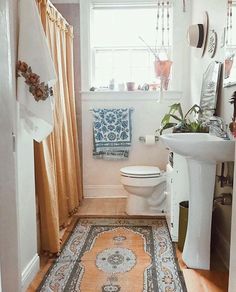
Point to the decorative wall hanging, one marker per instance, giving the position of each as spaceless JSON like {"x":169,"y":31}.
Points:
{"x":197,"y":34}
{"x":210,"y":89}
{"x":212,"y":43}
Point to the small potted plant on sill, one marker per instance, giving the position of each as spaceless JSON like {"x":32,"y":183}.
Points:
{"x":185,"y":123}
{"x":232,"y":125}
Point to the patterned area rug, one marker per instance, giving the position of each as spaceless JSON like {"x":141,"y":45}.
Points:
{"x":116,"y":255}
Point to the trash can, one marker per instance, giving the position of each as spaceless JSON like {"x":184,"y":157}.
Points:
{"x":183,"y":223}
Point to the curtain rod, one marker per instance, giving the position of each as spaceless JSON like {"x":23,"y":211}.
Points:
{"x":61,"y":16}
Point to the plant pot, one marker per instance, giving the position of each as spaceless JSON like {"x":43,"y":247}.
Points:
{"x":130,"y":86}
{"x":162,"y":70}
{"x":228,"y":67}
{"x":181,"y":128}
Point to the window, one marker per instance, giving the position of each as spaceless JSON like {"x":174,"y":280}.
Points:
{"x":118,"y":52}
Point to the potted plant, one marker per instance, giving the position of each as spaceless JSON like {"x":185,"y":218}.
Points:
{"x":188,"y":122}
{"x":232,"y":125}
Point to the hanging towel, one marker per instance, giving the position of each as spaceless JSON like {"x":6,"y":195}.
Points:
{"x":112,"y":133}
{"x":35,"y":72}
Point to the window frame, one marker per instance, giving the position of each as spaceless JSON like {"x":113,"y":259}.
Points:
{"x":129,"y":49}
{"x":179,"y":40}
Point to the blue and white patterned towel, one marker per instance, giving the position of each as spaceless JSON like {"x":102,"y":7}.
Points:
{"x":112,"y":133}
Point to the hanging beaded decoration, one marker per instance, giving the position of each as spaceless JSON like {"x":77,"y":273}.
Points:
{"x":163,"y":24}
{"x":162,"y":62}
{"x":168,"y":23}
{"x":184,"y":6}
{"x":229,"y":23}
{"x":157,"y":24}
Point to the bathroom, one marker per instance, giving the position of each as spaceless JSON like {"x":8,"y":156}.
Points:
{"x":101,"y":178}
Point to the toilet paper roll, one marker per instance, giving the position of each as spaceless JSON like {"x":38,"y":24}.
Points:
{"x":150,"y":140}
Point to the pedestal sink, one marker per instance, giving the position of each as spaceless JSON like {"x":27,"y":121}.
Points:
{"x":202,"y":152}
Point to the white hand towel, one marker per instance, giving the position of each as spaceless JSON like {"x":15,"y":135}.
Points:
{"x":35,"y":66}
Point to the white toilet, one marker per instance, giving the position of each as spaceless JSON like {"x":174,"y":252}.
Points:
{"x":146,"y":186}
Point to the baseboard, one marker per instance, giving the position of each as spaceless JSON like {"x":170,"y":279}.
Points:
{"x":104,"y":191}
{"x":222,"y":248}
{"x":29,"y":272}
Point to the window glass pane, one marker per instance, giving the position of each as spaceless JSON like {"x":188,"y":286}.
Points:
{"x":122,"y":75}
{"x":102,"y":76}
{"x":140,"y":58}
{"x":122,"y":27}
{"x":121,"y":58}
{"x":103,"y":58}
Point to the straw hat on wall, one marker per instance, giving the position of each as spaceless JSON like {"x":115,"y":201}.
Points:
{"x":197,"y":34}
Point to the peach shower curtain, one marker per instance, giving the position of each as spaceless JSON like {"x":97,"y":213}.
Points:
{"x":57,"y":161}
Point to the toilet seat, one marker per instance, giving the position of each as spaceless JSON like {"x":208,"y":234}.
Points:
{"x":140,"y":171}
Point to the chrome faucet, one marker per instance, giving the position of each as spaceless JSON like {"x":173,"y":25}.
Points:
{"x":217,"y":127}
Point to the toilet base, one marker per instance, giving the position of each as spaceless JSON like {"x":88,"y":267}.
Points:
{"x":137,"y":205}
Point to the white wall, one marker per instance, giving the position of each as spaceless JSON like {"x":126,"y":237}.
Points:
{"x":101,"y":178}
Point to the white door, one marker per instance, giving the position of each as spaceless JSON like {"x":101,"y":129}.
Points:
{"x":9,"y":240}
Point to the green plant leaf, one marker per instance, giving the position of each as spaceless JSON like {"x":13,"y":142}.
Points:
{"x":166,"y":119}
{"x":167,"y":126}
{"x":175,"y":117}
{"x":176,"y":107}
{"x":198,"y":127}
{"x":194,"y":109}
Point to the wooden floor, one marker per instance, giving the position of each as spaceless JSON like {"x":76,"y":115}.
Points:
{"x":102,"y":207}
{"x":215,"y":280}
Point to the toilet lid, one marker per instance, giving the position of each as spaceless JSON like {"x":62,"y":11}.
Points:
{"x":141,"y":171}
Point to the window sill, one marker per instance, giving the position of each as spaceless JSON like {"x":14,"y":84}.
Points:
{"x":130,"y":95}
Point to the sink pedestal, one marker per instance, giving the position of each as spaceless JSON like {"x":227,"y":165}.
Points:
{"x":202,"y":151}
{"x":196,"y":253}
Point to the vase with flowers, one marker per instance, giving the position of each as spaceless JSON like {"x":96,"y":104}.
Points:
{"x":232,"y":125}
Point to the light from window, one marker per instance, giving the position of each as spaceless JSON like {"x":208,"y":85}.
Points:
{"x":118,"y":52}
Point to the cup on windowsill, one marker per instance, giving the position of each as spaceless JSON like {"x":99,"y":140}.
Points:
{"x":130,"y":86}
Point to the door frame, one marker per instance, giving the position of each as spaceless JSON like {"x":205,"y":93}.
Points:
{"x":9,"y":220}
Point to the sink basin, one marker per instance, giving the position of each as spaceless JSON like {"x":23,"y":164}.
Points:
{"x":201,"y":146}
{"x":202,"y":151}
